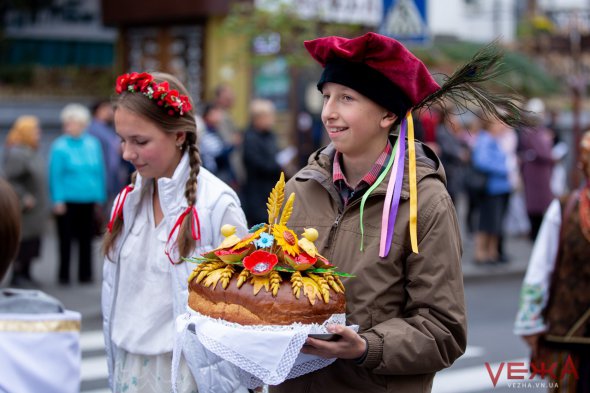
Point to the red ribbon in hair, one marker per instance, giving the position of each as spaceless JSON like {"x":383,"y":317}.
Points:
{"x":118,"y":210}
{"x":195,"y":229}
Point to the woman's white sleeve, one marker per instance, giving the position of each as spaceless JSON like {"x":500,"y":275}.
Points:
{"x":535,"y":287}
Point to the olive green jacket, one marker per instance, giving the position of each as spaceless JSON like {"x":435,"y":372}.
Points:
{"x":409,"y":307}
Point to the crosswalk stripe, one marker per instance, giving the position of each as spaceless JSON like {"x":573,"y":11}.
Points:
{"x":92,"y":340}
{"x":473,"y":352}
{"x":470,"y":379}
{"x":94,"y":368}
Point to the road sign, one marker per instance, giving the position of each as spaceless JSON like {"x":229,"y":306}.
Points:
{"x":405,"y":20}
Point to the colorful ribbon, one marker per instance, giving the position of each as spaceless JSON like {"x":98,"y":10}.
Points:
{"x":371,"y":189}
{"x":413,"y":187}
{"x":392,"y":197}
{"x":195,"y":230}
{"x":118,"y":210}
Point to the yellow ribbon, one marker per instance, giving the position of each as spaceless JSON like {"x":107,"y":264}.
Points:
{"x":413,"y":187}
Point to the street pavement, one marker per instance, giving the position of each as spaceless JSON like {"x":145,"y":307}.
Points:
{"x":85,"y":298}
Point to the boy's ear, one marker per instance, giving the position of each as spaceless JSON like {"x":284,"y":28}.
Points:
{"x":388,"y":120}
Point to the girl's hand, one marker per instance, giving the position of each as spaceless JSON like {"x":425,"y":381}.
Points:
{"x":349,"y":346}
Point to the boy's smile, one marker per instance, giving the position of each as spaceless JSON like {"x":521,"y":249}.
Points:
{"x":355,"y":124}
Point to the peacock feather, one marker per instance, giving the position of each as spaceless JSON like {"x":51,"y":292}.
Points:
{"x":464,"y":89}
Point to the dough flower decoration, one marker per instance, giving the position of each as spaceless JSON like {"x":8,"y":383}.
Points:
{"x":269,"y":254}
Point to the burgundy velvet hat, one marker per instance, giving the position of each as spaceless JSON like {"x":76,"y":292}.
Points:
{"x":376,"y":66}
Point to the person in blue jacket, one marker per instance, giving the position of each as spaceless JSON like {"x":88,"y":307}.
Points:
{"x":77,"y":187}
{"x":489,"y":158}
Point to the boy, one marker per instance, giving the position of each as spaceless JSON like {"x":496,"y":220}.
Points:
{"x":405,"y":252}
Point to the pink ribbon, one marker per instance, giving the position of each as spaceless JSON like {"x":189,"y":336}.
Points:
{"x":393,"y":194}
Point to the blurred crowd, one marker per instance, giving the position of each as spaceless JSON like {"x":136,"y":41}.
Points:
{"x":501,"y":179}
{"x":76,"y":183}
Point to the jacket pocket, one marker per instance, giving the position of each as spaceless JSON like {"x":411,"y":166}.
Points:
{"x":131,"y":243}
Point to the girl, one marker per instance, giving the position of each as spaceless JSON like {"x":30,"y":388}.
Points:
{"x":173,"y":209}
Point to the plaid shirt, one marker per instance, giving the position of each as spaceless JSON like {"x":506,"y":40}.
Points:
{"x":347,"y":193}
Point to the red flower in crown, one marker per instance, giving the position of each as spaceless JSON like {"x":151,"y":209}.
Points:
{"x":142,"y":81}
{"x":139,"y":82}
{"x":159,"y":92}
{"x":172,"y":99}
{"x":186,"y":104}
{"x":160,"y":89}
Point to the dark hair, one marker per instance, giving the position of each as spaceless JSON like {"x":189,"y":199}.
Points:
{"x":97,"y":104}
{"x":9,"y":225}
{"x":149,"y":109}
{"x":208,"y":108}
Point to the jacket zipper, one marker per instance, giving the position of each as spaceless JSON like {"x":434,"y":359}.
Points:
{"x":333,"y":229}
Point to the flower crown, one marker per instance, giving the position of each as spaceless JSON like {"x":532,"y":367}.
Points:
{"x":174,"y":102}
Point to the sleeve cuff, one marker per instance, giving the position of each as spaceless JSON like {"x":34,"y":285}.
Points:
{"x":374,"y":353}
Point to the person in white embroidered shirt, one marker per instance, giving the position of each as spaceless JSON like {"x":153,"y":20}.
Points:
{"x":173,"y":209}
{"x":553,"y":315}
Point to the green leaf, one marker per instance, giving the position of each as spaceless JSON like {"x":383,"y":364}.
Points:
{"x":284,"y":269}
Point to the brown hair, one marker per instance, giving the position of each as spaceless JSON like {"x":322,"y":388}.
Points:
{"x":9,"y":225}
{"x":143,"y":106}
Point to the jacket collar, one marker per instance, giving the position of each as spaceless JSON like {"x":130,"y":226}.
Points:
{"x":320,"y":164}
{"x":171,"y":190}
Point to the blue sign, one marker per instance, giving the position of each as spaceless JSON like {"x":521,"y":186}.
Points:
{"x":406,"y":21}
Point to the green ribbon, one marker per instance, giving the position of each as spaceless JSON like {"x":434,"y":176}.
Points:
{"x":373,"y":187}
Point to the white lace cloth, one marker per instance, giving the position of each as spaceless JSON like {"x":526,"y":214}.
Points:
{"x":260,"y":354}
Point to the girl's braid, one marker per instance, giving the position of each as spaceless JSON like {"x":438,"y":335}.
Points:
{"x":185,"y":241}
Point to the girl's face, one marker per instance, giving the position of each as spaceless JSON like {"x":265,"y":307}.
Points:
{"x":356,"y":125}
{"x":154,"y":152}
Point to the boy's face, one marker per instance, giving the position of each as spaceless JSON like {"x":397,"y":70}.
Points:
{"x":356,"y":125}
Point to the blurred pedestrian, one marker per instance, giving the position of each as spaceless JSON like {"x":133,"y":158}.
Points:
{"x":490,"y":159}
{"x":215,"y":152}
{"x":224,"y":100}
{"x":10,"y":225}
{"x":77,"y":187}
{"x":260,"y":162}
{"x":507,"y":139}
{"x":473,"y":126}
{"x":25,"y":169}
{"x":453,"y":151}
{"x":39,"y":339}
{"x":173,"y":209}
{"x":536,"y":160}
{"x":101,"y":127}
{"x":553,"y":316}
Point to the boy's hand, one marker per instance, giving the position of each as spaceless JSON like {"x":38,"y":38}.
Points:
{"x":349,"y":346}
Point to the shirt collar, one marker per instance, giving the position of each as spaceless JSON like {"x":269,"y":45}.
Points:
{"x":339,"y":179}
